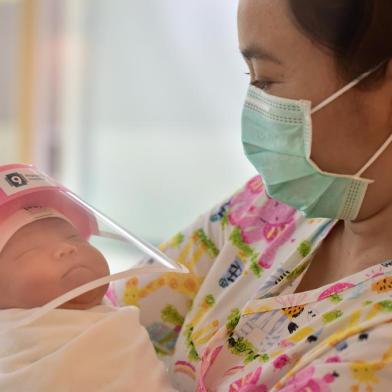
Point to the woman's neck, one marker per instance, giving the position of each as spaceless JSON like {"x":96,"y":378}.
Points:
{"x":367,"y":242}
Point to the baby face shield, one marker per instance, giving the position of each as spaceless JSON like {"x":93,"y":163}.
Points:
{"x":60,"y":249}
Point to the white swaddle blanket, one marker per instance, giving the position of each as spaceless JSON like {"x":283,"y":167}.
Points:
{"x":100,"y":349}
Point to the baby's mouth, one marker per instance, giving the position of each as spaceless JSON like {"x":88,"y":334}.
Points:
{"x":75,"y":267}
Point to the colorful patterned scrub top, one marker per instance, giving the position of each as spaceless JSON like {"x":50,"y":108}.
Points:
{"x":234,"y":324}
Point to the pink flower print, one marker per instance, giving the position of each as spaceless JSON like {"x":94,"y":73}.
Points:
{"x":266,"y":222}
{"x":272,"y":222}
{"x":334,"y":289}
{"x":281,"y":361}
{"x":249,"y":383}
{"x":375,"y":272}
{"x":334,"y":359}
{"x":304,"y":381}
{"x":254,"y":388}
{"x":186,"y":368}
{"x":276,"y":213}
{"x":255,"y":185}
{"x":234,"y":370}
{"x":111,"y":295}
{"x":329,"y":378}
{"x":284,"y":343}
{"x":270,"y":232}
{"x":278,"y":229}
{"x":241,"y":203}
{"x":207,"y":360}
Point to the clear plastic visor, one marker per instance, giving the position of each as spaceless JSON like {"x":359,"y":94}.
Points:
{"x":67,"y":252}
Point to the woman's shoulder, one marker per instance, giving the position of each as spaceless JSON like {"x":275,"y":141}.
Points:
{"x":248,"y":221}
{"x":246,"y":218}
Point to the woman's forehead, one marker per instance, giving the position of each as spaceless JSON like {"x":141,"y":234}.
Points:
{"x":267,"y":32}
{"x":265,"y":29}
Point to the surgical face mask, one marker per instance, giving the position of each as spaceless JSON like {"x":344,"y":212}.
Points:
{"x":277,"y":139}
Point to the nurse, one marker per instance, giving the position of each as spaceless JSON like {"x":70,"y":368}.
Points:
{"x":291,"y":277}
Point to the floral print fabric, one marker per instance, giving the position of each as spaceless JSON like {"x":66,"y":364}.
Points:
{"x":234,"y":324}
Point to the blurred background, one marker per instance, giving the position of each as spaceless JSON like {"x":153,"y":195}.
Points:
{"x":133,"y":104}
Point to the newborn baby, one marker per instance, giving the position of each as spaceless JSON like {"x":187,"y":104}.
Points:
{"x":85,"y":344}
{"x":45,"y":259}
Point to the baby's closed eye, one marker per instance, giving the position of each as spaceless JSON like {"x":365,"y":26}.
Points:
{"x":25,"y":252}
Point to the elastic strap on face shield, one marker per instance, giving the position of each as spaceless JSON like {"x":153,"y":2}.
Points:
{"x":36,"y":313}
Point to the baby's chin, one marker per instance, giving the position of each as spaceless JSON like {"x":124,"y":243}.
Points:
{"x":78,"y":277}
{"x":87,"y":300}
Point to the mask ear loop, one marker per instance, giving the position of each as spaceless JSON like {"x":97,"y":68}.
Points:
{"x":375,"y":156}
{"x":343,"y":90}
{"x":339,"y":93}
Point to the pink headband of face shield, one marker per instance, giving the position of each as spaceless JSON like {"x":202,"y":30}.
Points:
{"x":23,"y":187}
{"x":22,"y":218}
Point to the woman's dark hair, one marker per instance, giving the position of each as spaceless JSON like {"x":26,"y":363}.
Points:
{"x":357,"y":32}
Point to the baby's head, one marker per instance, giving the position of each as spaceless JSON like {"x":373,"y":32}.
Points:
{"x":45,"y":258}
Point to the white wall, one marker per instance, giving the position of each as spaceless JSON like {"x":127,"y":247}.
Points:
{"x":157,"y":122}
{"x":9,"y":61}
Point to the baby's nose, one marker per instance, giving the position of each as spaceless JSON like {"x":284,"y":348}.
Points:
{"x":65,"y":250}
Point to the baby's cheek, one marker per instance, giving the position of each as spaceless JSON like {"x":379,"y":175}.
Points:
{"x":38,"y":288}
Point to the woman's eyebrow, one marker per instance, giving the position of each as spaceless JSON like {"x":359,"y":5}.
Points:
{"x":259,"y":54}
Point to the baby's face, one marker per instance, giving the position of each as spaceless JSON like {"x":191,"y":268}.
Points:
{"x":45,"y":259}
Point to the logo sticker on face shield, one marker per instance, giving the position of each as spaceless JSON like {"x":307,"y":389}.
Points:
{"x":13,"y":182}
{"x":16,"y":179}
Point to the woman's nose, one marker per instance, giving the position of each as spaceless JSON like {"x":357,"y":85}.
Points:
{"x":65,"y":250}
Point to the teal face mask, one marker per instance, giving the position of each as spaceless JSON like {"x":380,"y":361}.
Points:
{"x":277,"y":139}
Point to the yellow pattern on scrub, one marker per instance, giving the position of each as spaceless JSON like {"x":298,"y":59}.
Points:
{"x":254,"y":332}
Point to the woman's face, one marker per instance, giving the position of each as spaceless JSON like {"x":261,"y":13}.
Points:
{"x":283,"y":61}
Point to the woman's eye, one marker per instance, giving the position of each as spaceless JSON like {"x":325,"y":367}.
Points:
{"x":262,"y":84}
